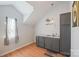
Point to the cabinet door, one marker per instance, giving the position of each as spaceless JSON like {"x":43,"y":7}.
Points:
{"x":52,"y":44}
{"x":65,"y":40}
{"x":37,"y":40}
{"x":55,"y":44}
{"x":65,"y":33}
{"x":48,"y":43}
{"x":65,"y":18}
{"x":40,"y":41}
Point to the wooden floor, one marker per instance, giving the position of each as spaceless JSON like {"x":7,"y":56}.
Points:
{"x":30,"y":51}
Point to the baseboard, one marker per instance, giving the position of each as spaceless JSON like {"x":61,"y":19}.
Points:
{"x":16,"y":48}
{"x":74,"y":52}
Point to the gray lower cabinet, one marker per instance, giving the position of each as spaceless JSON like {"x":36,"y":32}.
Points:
{"x":52,"y":44}
{"x":55,"y":44}
{"x":48,"y":43}
{"x":40,"y":41}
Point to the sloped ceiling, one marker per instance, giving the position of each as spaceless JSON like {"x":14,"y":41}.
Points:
{"x":33,"y":11}
{"x":23,"y":7}
{"x":42,"y":8}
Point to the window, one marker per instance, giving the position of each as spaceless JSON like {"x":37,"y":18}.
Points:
{"x":11,"y":30}
{"x":11,"y":26}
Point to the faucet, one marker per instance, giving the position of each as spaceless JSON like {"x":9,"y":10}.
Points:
{"x":54,"y":35}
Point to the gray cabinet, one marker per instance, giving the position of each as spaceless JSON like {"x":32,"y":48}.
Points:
{"x":65,"y":18}
{"x":65,"y":33}
{"x":40,"y":41}
{"x":48,"y":43}
{"x":55,"y":44}
{"x":52,"y":44}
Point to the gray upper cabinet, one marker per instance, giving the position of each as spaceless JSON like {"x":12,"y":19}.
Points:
{"x":64,"y":18}
{"x":65,"y":33}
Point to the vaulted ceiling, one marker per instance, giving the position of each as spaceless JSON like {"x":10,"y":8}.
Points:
{"x":23,"y":7}
{"x":42,"y":8}
{"x":34,"y":11}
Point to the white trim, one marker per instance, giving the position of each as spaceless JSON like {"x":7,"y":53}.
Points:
{"x":16,"y":48}
{"x":74,"y":52}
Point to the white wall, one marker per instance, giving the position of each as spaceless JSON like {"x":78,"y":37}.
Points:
{"x":26,"y":32}
{"x":74,"y":40}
